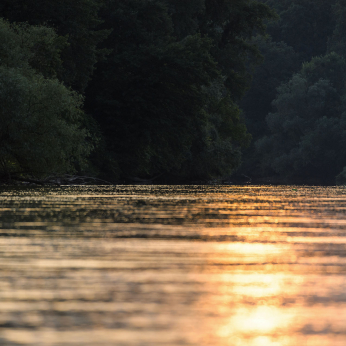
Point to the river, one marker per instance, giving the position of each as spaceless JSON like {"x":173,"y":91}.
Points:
{"x":173,"y":265}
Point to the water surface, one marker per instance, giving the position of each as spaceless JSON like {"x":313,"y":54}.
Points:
{"x":173,"y":265}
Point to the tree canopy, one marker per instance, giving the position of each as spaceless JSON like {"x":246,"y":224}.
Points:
{"x":40,"y":118}
{"x":308,"y":127}
{"x":294,"y":107}
{"x":173,"y":88}
{"x":154,"y":96}
{"x":76,"y":21}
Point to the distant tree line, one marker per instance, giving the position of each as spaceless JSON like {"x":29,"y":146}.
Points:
{"x":126,"y":88}
{"x":295,"y":108}
{"x":173,"y":88}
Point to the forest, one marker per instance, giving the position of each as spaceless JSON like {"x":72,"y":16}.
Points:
{"x":173,"y":90}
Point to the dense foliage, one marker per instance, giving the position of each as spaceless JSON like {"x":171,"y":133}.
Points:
{"x":161,"y":81}
{"x":295,"y":108}
{"x":173,"y":88}
{"x":308,"y":127}
{"x":76,"y":21}
{"x":40,"y":131}
{"x":165,"y":97}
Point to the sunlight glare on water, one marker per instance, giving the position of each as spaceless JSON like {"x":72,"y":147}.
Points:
{"x":173,"y":265}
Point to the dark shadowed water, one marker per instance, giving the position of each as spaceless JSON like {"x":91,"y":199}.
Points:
{"x":173,"y":265}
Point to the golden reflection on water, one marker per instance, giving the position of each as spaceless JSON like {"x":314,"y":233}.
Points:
{"x":255,"y":313}
{"x":173,"y":265}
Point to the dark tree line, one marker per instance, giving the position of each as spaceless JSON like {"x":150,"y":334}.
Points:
{"x":166,"y":96}
{"x":126,"y":87}
{"x":173,"y":88}
{"x":295,"y":108}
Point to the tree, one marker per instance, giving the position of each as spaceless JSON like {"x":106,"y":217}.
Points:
{"x":220,"y":137}
{"x":232,"y":25}
{"x":40,"y":118}
{"x":279,"y":63}
{"x":76,"y":21}
{"x":308,"y":127}
{"x":185,"y":16}
{"x":305,"y":25}
{"x":337,"y":42}
{"x":149,"y":95}
{"x":153,"y":95}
